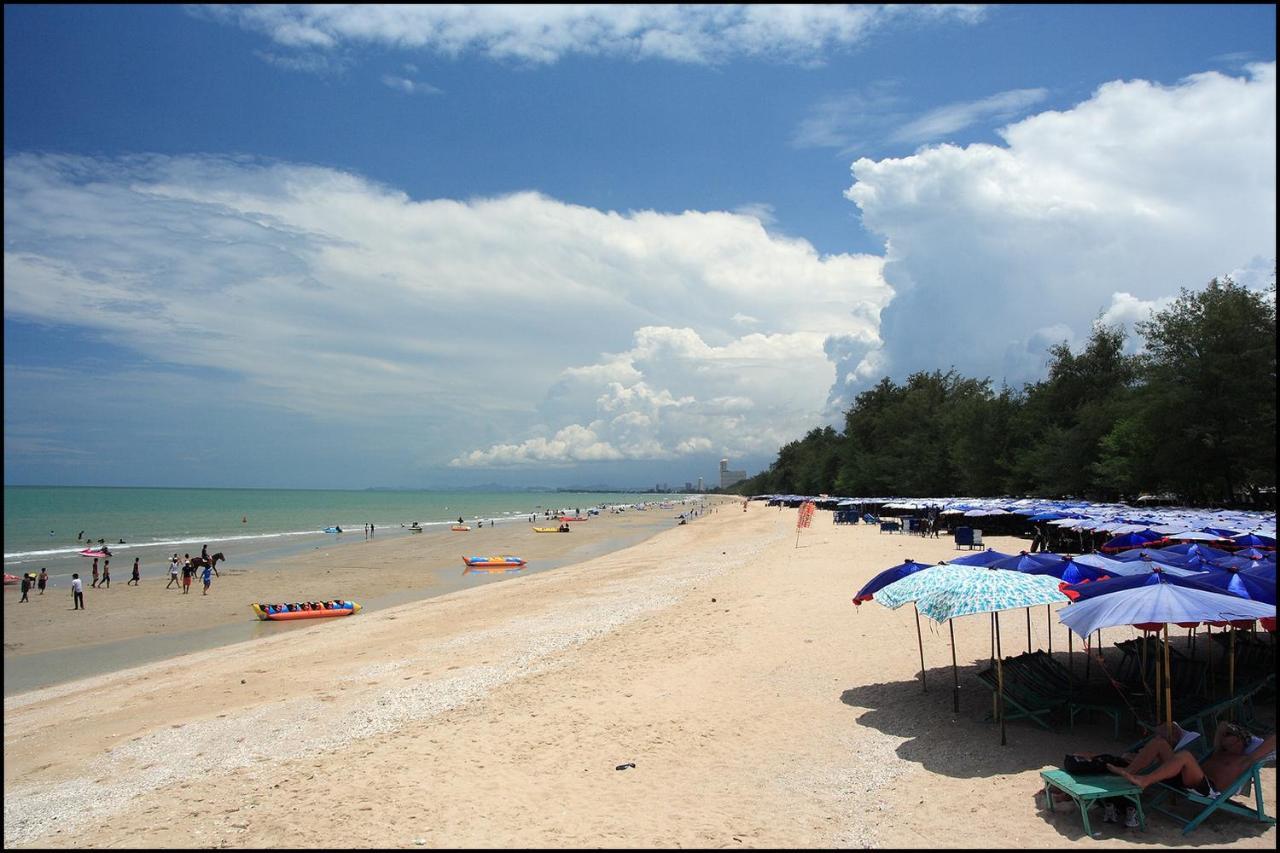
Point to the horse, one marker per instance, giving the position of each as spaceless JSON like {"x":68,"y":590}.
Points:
{"x":198,"y":562}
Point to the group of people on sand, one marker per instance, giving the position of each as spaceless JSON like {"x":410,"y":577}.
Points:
{"x":30,"y":579}
{"x":102,"y":579}
{"x":187,"y":568}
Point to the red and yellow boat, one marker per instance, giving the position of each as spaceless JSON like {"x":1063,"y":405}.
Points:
{"x":505,"y":563}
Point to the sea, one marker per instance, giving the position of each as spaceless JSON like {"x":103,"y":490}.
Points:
{"x":48,"y":526}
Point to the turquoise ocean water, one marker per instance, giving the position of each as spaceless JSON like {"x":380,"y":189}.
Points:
{"x":41,"y":523}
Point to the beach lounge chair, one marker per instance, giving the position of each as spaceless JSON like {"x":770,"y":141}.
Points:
{"x":1084,"y":790}
{"x":964,"y":537}
{"x":1209,"y":805}
{"x":1023,"y":699}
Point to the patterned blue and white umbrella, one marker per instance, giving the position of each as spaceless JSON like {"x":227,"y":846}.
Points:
{"x":945,"y":592}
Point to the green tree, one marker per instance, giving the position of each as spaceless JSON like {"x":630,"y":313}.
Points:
{"x":1210,"y":375}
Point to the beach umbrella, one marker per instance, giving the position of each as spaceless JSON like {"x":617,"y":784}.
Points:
{"x":1252,"y":540}
{"x":1162,"y":601}
{"x":909,"y":589}
{"x":978,"y":558}
{"x":987,"y":591}
{"x":1128,"y":541}
{"x":888,"y":576}
{"x":893,"y":575}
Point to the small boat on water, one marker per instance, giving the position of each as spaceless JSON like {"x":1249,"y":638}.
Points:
{"x":307,"y":610}
{"x":460,"y":527}
{"x":550,"y":530}
{"x":96,"y":552}
{"x":505,"y":563}
{"x":573,"y":518}
{"x":10,"y":579}
{"x":334,"y":529}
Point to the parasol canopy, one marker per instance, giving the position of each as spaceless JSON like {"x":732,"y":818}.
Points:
{"x":1161,"y":601}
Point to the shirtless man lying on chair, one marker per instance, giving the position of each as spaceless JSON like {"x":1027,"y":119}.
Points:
{"x":1228,"y":761}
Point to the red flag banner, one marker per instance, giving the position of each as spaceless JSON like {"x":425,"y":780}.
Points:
{"x":806,"y":515}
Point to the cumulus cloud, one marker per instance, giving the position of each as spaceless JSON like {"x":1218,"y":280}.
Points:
{"x":495,"y":331}
{"x":1143,"y":189}
{"x":544,"y":33}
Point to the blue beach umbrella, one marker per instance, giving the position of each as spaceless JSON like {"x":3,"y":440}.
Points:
{"x":978,"y":558}
{"x":889,"y":576}
{"x":1253,"y":540}
{"x":1162,"y":601}
{"x":1128,"y":541}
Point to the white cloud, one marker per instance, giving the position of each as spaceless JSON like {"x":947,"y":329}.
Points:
{"x":939,"y":122}
{"x":496,"y":331}
{"x":409,"y":87}
{"x":1142,"y":189}
{"x":544,"y":33}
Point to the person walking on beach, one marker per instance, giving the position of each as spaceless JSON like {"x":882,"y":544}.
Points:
{"x":371,"y":530}
{"x":77,"y":592}
{"x":106,"y":575}
{"x":207,"y":576}
{"x":44,"y":579}
{"x":173,"y":572}
{"x":95,"y":573}
{"x":137,"y":574}
{"x":187,"y":571}
{"x":26,"y":587}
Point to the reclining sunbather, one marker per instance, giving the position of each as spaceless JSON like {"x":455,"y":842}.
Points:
{"x":1218,"y":770}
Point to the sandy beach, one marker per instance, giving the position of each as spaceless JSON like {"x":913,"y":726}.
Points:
{"x":719,"y":664}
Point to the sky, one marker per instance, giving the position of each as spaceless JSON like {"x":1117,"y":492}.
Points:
{"x":448,"y":246}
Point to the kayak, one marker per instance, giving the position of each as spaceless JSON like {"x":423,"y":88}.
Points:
{"x":94,"y":552}
{"x":416,"y":529}
{"x":333,"y":530}
{"x":549,"y":530}
{"x":8,"y":578}
{"x":460,"y":527}
{"x":573,"y":518}
{"x":305,"y":614}
{"x":504,"y":563}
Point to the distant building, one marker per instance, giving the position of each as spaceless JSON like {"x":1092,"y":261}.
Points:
{"x":727,"y":477}
{"x":700,"y":489}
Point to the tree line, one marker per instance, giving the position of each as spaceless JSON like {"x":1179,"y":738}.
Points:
{"x":1192,"y":414}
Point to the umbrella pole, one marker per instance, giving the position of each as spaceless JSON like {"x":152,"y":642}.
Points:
{"x":1208,"y":653}
{"x":920,"y":641}
{"x":1048,"y":626}
{"x":955,"y":673}
{"x":1028,"y":630}
{"x":1071,"y":656}
{"x":1168,"y":690}
{"x":1000,"y":677}
{"x":1231,"y":675}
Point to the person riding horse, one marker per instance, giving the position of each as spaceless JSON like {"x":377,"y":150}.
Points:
{"x":212,"y":562}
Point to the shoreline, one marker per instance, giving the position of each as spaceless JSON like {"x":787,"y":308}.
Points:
{"x":47,"y":643}
{"x":723,"y":659}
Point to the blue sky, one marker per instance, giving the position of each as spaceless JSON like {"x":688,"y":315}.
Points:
{"x":353,"y":246}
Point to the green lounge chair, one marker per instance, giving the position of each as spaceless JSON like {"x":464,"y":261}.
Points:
{"x":1223,"y":802}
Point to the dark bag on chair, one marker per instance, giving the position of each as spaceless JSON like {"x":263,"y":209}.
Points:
{"x":1078,"y":765}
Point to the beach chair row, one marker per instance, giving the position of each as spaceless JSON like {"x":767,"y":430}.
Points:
{"x":1038,"y":687}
